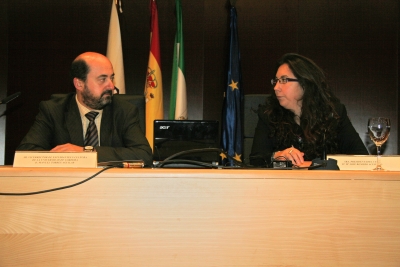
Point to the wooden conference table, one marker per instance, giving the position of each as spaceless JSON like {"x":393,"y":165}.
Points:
{"x":186,"y":217}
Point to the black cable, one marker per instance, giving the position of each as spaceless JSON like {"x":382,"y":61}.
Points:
{"x":188,"y":162}
{"x":57,"y":188}
{"x":201,"y":150}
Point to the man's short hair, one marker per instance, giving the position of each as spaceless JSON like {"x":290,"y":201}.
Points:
{"x":79,"y":69}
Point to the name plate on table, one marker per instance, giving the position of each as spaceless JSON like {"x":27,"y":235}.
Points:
{"x":55,"y":159}
{"x":366,"y":162}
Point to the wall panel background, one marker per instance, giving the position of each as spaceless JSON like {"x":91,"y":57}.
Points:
{"x":355,"y":42}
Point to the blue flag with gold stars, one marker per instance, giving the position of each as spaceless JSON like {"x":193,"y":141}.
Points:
{"x":232,"y":129}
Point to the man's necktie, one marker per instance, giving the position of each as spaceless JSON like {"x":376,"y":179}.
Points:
{"x":91,"y":138}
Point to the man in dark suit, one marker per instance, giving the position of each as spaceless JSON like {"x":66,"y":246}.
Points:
{"x":63,"y":123}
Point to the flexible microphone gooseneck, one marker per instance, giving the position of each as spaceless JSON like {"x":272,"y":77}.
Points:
{"x":9,"y":98}
{"x":324,"y":147}
{"x":324,"y":163}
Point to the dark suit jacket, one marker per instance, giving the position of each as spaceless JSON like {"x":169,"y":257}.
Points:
{"x":59,"y":122}
{"x":348,"y":140}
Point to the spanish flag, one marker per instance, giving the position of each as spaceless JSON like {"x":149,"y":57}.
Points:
{"x":153,"y":89}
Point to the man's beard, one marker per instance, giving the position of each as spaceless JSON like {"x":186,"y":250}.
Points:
{"x":96,"y":103}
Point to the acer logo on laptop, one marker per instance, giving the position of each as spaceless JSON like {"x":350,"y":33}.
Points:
{"x":164,"y":127}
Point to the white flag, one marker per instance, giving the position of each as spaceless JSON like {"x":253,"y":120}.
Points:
{"x":114,"y":49}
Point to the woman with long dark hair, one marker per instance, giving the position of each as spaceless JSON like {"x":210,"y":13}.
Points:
{"x":303,"y":118}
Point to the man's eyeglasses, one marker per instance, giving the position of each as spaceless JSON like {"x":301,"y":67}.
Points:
{"x":283,"y":80}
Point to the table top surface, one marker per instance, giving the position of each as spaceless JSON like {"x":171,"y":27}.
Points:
{"x":236,"y":173}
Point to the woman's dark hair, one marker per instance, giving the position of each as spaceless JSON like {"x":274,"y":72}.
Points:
{"x":79,"y":69}
{"x":318,"y":115}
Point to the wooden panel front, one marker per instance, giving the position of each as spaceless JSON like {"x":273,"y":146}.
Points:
{"x":200,"y":218}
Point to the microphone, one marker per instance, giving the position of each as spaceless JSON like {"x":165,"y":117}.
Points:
{"x":324,"y":148}
{"x":324,"y":163}
{"x":9,"y":98}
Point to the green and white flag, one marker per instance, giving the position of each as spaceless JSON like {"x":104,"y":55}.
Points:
{"x":178,"y":101}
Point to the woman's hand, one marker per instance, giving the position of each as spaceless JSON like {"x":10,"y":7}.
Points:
{"x":291,"y":153}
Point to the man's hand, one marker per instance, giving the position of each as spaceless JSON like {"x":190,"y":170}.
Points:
{"x":67,"y":147}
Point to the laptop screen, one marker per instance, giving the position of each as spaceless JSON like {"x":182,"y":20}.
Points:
{"x":174,"y":136}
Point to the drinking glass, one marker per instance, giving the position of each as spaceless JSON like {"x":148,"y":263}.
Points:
{"x":379,"y":130}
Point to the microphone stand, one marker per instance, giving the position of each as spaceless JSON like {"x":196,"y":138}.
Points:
{"x":330,"y":164}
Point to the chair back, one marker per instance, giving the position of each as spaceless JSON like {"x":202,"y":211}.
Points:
{"x":139,"y":102}
{"x":251,"y":103}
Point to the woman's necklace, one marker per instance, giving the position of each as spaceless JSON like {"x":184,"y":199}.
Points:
{"x":299,"y":135}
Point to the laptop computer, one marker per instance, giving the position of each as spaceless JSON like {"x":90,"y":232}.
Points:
{"x":175,"y":136}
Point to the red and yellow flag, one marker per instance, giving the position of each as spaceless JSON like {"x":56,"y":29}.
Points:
{"x":153,"y":89}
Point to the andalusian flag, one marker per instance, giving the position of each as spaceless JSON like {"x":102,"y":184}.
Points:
{"x":232,"y":137}
{"x":153,"y":89}
{"x":178,"y":102}
{"x":114,"y":48}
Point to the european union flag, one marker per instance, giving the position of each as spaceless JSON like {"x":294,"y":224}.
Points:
{"x":232,"y":129}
